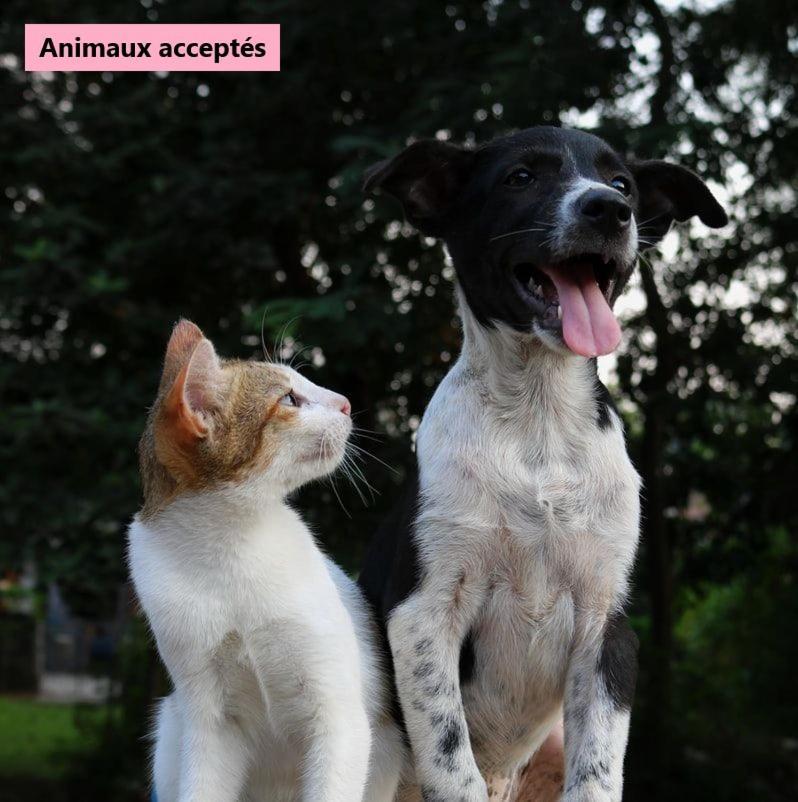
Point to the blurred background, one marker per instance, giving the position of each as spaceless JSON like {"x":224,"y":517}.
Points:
{"x":128,"y":200}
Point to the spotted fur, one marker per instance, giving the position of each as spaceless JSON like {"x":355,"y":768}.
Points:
{"x":527,"y":528}
{"x":524,"y":524}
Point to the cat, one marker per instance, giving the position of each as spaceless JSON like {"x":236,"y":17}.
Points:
{"x":279,"y":693}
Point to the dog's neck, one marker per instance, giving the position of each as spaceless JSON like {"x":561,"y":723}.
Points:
{"x":521,"y":371}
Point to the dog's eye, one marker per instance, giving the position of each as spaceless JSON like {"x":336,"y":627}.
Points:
{"x":519,"y":178}
{"x":289,"y":400}
{"x":621,"y":184}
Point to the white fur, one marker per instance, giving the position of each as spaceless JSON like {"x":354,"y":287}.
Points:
{"x":279,"y":694}
{"x":527,"y":531}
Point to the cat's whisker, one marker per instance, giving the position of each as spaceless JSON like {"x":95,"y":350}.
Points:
{"x":278,"y":349}
{"x":363,"y":428}
{"x":266,"y":355}
{"x":331,"y":477}
{"x":296,"y":355}
{"x":365,"y":434}
{"x":353,"y":474}
{"x":354,"y":460}
{"x":367,"y":453}
{"x":331,"y":480}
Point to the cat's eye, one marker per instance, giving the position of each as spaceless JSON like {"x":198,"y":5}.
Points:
{"x":622,"y":184}
{"x":289,"y":400}
{"x":520,"y":177}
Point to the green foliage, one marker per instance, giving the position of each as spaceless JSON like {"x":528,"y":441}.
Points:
{"x":127,"y":201}
{"x":41,"y":740}
{"x":735,"y":655}
{"x":115,"y":768}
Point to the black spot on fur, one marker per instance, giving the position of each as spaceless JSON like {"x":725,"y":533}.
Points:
{"x":434,"y":688}
{"x":451,"y":738}
{"x":596,"y":771}
{"x":423,"y":669}
{"x":467,"y":659}
{"x":447,"y":763}
{"x":423,"y":646}
{"x":618,"y":660}
{"x":429,"y":795}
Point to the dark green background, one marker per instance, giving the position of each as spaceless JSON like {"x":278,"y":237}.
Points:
{"x":129,"y":200}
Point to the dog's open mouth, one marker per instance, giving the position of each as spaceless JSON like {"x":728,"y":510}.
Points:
{"x":575,"y":295}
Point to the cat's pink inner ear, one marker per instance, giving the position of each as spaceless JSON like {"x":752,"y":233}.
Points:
{"x":203,"y":381}
{"x":195,"y":391}
{"x":186,"y":336}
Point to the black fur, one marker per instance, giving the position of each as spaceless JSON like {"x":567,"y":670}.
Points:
{"x":391,"y":572}
{"x":604,"y":402}
{"x":423,"y":670}
{"x":467,"y":659}
{"x":618,"y":660}
{"x":451,"y":738}
{"x":468,"y":198}
{"x":597,"y":772}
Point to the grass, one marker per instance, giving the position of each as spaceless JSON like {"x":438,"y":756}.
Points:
{"x":40,"y":739}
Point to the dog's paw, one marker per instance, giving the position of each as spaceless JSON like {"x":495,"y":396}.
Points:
{"x":471,"y":788}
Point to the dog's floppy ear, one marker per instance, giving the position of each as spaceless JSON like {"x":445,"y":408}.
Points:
{"x":425,"y":178}
{"x":669,"y":192}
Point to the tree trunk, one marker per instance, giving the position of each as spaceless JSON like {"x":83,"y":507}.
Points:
{"x":655,"y":530}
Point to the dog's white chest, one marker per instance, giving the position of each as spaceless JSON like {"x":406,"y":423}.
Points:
{"x":550,"y":518}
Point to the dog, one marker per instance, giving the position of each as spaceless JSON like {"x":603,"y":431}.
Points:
{"x":500,"y":579}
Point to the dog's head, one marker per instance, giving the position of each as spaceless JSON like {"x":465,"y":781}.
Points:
{"x":544,"y":226}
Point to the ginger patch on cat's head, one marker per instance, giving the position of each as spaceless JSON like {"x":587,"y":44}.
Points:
{"x":227,"y":423}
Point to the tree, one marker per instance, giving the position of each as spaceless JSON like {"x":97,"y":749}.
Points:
{"x":234,"y":199}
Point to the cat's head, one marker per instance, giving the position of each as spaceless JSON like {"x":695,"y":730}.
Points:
{"x":255,"y":427}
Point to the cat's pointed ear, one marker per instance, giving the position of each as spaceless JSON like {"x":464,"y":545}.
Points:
{"x":670,"y":192}
{"x":425,"y":178}
{"x":195,"y":378}
{"x":184,"y":339}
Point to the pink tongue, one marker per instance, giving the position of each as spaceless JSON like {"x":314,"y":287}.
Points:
{"x":588,"y":326}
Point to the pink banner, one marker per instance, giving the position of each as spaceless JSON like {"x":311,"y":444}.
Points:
{"x":151,"y":47}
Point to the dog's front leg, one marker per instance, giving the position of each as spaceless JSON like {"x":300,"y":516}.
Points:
{"x":598,"y":700}
{"x":426,"y":633}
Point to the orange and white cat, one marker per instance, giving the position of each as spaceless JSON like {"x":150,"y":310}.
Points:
{"x":279,"y":693}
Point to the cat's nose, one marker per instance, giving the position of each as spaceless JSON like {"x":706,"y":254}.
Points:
{"x":342,"y":402}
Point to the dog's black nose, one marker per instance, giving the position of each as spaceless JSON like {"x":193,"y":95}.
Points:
{"x":606,"y":210}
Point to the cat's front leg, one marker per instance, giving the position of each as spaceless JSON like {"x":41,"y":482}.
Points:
{"x":311,"y":681}
{"x":426,"y":632}
{"x":337,"y":754}
{"x":598,"y":698}
{"x":213,"y":755}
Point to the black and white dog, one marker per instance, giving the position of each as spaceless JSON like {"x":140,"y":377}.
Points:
{"x":501,"y":579}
